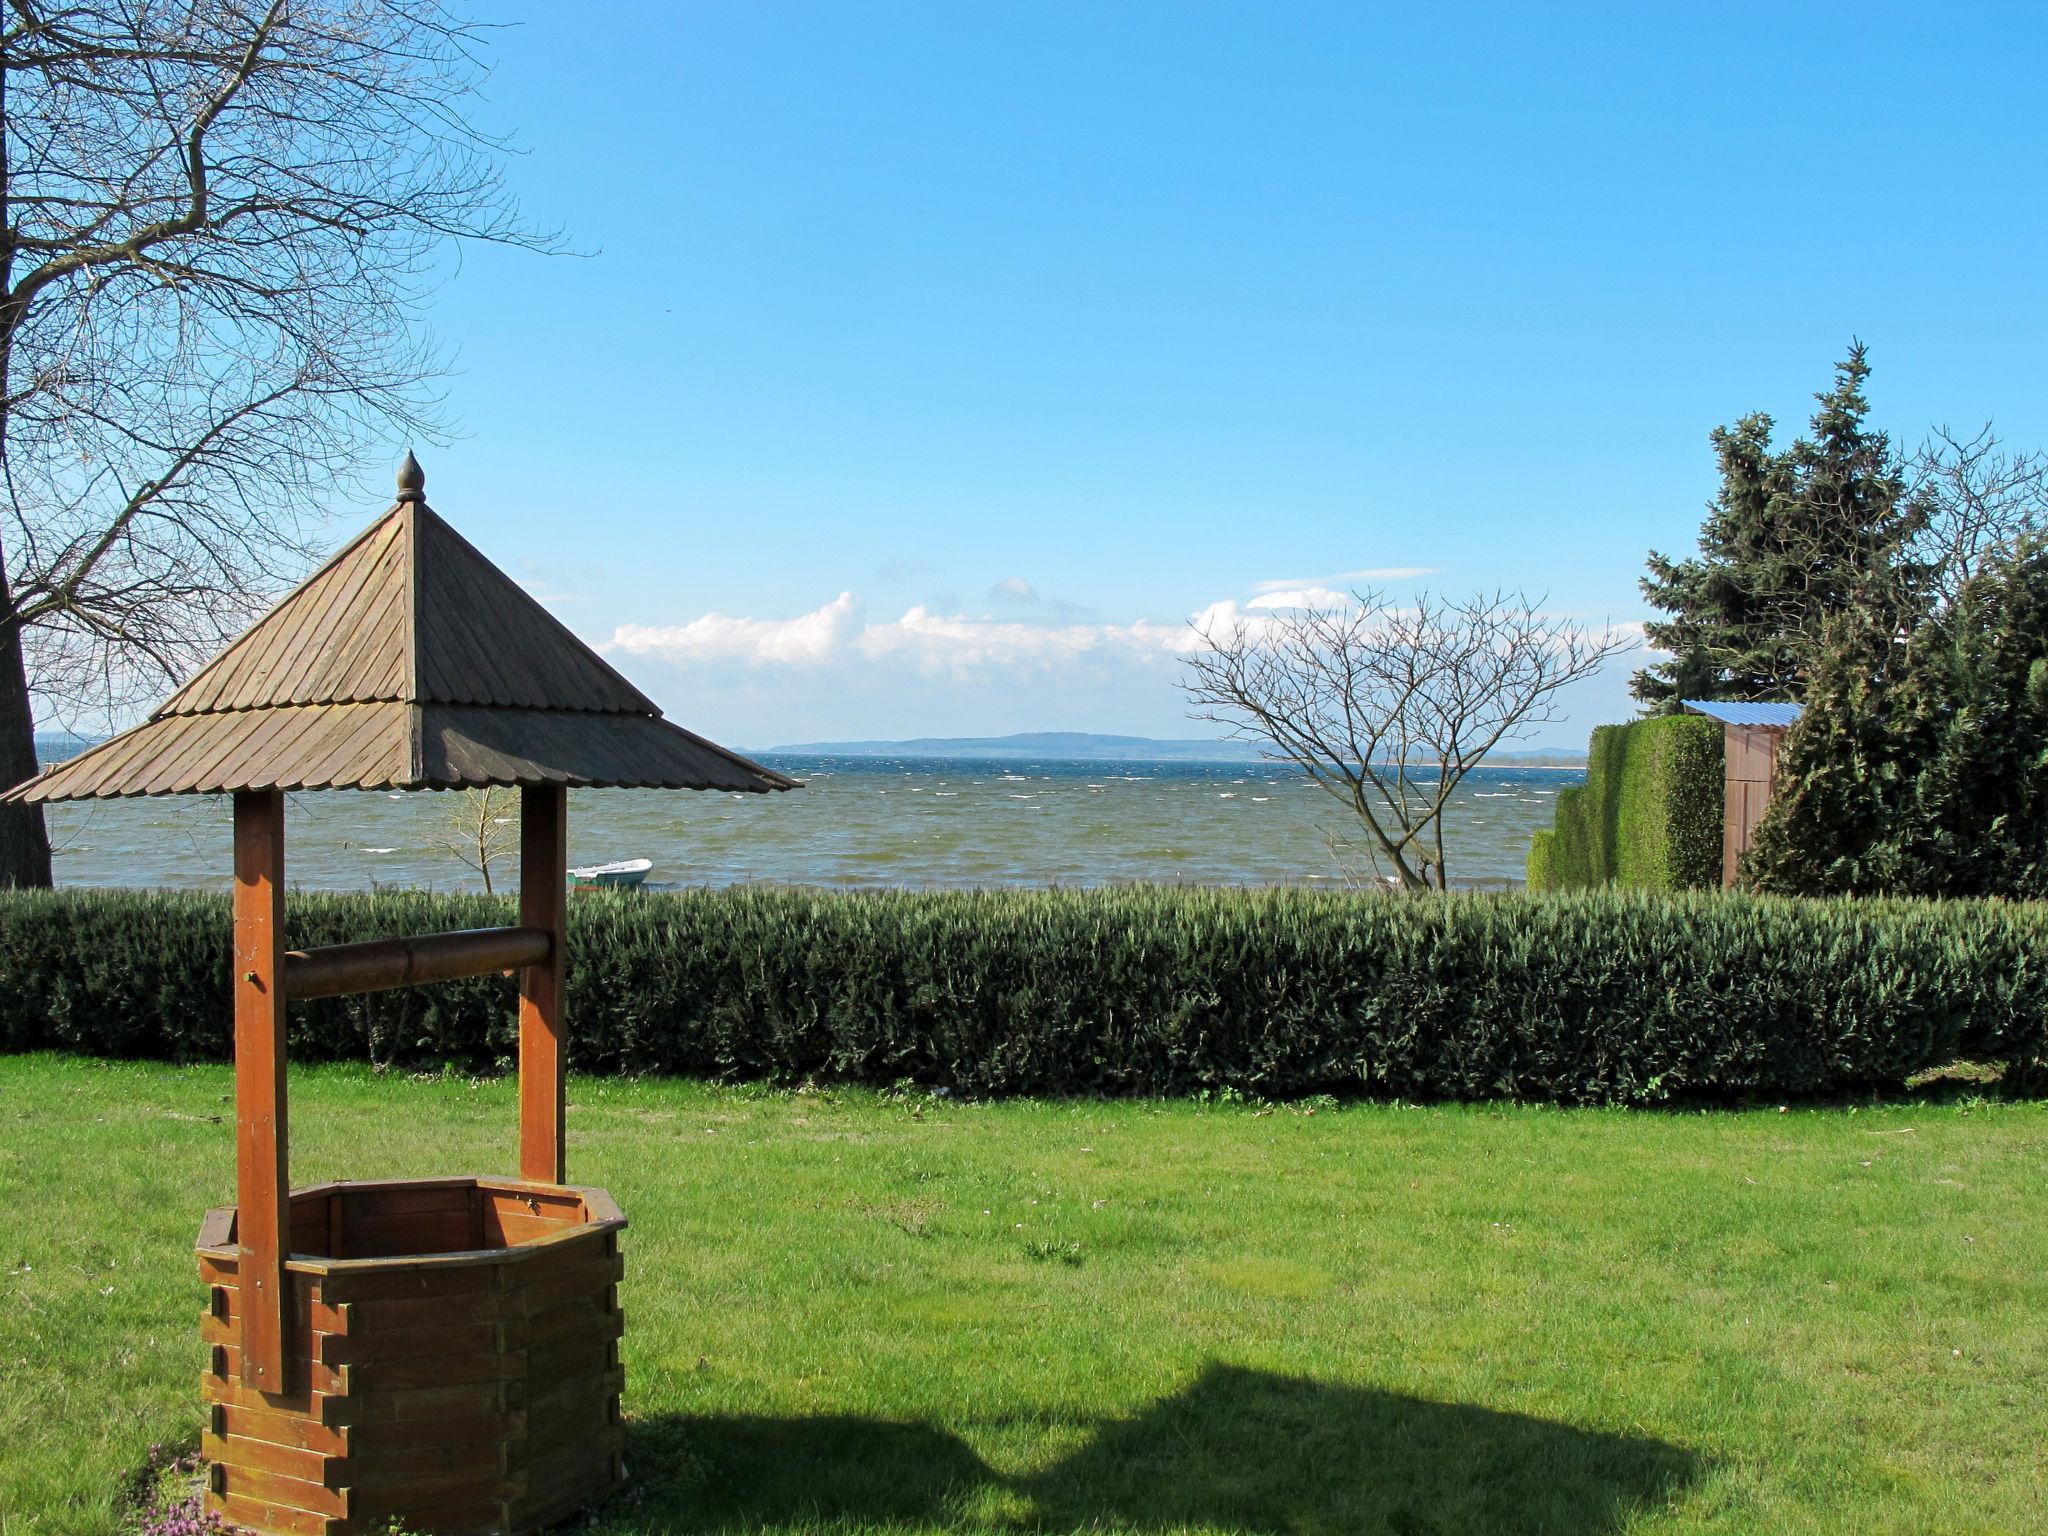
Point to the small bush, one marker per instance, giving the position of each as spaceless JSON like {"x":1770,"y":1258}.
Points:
{"x":1596,"y":997}
{"x":1575,"y":863}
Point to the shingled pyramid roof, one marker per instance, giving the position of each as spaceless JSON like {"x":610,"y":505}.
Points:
{"x":408,"y":661}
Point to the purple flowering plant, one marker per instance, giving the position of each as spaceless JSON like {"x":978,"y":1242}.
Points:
{"x":168,"y":1496}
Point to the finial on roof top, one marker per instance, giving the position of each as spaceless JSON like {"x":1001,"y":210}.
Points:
{"x":412,"y":480}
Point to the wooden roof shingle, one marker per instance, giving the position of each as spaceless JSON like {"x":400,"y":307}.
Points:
{"x":408,"y":661}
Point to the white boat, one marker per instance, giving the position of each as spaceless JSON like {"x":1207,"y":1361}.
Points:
{"x":622,"y":873}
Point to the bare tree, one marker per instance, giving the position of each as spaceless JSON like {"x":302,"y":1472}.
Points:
{"x":1387,"y":707}
{"x":481,"y":826}
{"x":219,"y":220}
{"x":1978,"y":496}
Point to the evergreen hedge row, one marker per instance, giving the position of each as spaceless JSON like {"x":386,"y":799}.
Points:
{"x":1598,"y":997}
{"x":1648,"y":815}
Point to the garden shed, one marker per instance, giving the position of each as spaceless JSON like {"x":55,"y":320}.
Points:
{"x":438,"y":1353}
{"x":1751,"y":735}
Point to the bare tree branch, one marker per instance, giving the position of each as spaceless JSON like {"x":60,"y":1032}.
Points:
{"x":1388,"y":708}
{"x":220,"y":221}
{"x":1980,"y":497}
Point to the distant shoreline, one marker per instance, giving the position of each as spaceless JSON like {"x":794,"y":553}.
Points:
{"x":924,"y":755}
{"x":1086,"y":746}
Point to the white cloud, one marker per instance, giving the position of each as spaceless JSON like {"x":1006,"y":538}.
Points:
{"x":928,"y":642}
{"x":1301,"y":597}
{"x":1013,"y":589}
{"x":1372,"y":574}
{"x":1224,"y":619}
{"x":809,"y":639}
{"x":934,"y":669}
{"x":935,"y":643}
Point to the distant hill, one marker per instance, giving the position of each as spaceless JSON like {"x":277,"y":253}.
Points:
{"x":1066,"y":745}
{"x":1082,"y":746}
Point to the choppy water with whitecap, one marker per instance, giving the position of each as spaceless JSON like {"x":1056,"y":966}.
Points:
{"x":857,"y":822}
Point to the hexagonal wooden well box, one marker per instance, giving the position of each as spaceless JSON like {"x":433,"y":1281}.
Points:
{"x":453,"y":1360}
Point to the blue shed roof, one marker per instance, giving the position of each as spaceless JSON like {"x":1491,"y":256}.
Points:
{"x":1730,"y":712}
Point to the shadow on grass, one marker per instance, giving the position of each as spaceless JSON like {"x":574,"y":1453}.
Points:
{"x":1237,"y":1449}
{"x":1963,"y":1082}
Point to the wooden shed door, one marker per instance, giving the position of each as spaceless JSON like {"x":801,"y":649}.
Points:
{"x":1750,"y":775}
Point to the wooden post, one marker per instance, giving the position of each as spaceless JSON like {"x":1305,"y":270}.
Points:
{"x":262,"y":1132}
{"x":543,"y":1052}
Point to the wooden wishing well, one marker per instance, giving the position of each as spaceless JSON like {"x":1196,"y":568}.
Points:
{"x":439,"y":1352}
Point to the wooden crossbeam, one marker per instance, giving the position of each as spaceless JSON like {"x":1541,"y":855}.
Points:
{"x":379,"y":964}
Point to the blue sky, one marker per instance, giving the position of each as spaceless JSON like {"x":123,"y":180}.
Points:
{"x":934,"y":363}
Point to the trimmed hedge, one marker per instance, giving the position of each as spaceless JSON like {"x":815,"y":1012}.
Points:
{"x":1601,"y":997}
{"x":1648,"y":815}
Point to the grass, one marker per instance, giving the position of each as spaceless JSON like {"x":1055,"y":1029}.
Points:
{"x":851,"y":1311}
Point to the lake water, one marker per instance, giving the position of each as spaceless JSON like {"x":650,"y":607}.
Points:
{"x":857,"y":822}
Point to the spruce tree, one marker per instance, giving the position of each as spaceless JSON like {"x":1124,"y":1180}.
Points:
{"x":1797,"y":543}
{"x":1979,"y":821}
{"x":1929,"y":777}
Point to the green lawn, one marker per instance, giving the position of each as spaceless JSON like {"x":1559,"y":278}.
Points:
{"x":847,"y":1311}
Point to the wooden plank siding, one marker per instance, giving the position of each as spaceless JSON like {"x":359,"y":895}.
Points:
{"x":459,"y":1392}
{"x":1749,"y":779}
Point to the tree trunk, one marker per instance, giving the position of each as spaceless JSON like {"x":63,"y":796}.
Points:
{"x":24,"y":842}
